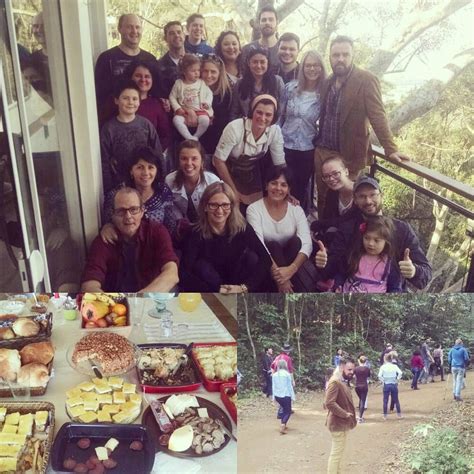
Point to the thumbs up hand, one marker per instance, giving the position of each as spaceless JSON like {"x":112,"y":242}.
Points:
{"x":321,"y":258}
{"x":407,"y":269}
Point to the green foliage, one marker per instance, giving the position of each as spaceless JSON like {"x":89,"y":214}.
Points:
{"x":437,"y":451}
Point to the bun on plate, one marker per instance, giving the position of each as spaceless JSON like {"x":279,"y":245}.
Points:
{"x":40,"y":352}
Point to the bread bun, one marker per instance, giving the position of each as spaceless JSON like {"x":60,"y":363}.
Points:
{"x":10,"y":364}
{"x":40,"y":352}
{"x":8,"y":317}
{"x":25,"y":327}
{"x":6,"y":333}
{"x":33,"y":375}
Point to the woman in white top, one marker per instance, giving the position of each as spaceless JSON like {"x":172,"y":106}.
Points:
{"x":188,"y":183}
{"x":283,"y":229}
{"x":243,"y":145}
{"x":283,"y":393}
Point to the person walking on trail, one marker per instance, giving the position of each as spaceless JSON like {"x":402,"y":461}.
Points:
{"x":396,"y":361}
{"x":458,"y":359}
{"x":438,"y":360}
{"x":427,"y":361}
{"x":337,"y":358}
{"x":388,"y":348}
{"x":341,"y":412}
{"x":285,"y":355}
{"x":267,"y":360}
{"x":283,"y":392}
{"x":362,"y":374}
{"x":416,"y":363}
{"x":389,"y":375}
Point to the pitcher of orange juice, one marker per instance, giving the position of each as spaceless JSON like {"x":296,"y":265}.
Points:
{"x":189,"y":301}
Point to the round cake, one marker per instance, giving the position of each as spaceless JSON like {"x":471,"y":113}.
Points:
{"x":114,"y":353}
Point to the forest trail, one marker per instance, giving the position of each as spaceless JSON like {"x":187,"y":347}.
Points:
{"x":372,"y":447}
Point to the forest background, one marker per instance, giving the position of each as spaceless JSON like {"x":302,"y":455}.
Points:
{"x":423,"y":53}
{"x":316,"y":325}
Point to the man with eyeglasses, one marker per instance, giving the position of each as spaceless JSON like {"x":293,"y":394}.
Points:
{"x":368,"y":201}
{"x":143,"y":259}
{"x":351,"y":100}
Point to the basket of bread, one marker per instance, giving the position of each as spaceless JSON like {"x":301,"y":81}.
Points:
{"x":16,"y":330}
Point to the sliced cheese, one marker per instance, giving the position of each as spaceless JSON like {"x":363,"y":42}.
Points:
{"x":8,"y":438}
{"x":135,"y":398}
{"x":115,"y":382}
{"x":73,"y":393}
{"x":76,"y":412}
{"x":89,"y":396}
{"x":9,"y":429}
{"x":119,"y":398}
{"x":111,"y":444}
{"x":104,"y":398}
{"x":12,"y":418}
{"x":181,"y":439}
{"x":111,"y":409}
{"x":102,"y":453}
{"x":91,"y":405}
{"x":128,"y":388}
{"x":88,"y":417}
{"x":202,"y":413}
{"x":41,"y":418}
{"x":25,"y":425}
{"x":73,"y":402}
{"x":104,"y":416}
{"x":8,"y":464}
{"x":86,"y":386}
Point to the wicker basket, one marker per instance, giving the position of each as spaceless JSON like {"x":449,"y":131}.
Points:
{"x":32,"y":407}
{"x":19,"y":342}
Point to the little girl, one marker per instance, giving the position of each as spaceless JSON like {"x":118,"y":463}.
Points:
{"x":370,"y":266}
{"x":191,"y":99}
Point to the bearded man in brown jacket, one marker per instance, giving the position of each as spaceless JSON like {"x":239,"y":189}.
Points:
{"x":341,"y":412}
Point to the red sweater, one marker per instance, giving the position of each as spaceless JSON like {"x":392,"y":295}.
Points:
{"x":417,"y":362}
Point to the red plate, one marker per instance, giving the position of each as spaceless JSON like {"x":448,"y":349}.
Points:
{"x":212,"y":385}
{"x":169,"y":388}
{"x":226,"y":390}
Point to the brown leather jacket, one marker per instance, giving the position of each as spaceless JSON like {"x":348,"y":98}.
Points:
{"x":339,"y":404}
{"x":361,"y":105}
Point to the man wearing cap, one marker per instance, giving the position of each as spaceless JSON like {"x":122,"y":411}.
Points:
{"x":350,"y":100}
{"x":285,"y":355}
{"x":368,"y":201}
{"x":112,"y":63}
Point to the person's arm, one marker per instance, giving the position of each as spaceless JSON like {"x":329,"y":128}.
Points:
{"x":165,"y":281}
{"x":331,"y":401}
{"x":103,"y":79}
{"x":174,"y":94}
{"x":207,"y":98}
{"x":276,"y":146}
{"x":224,"y":174}
{"x":235,"y":107}
{"x":380,"y":375}
{"x":91,"y":286}
{"x":399,"y":373}
{"x":394,"y":279}
{"x":283,"y":104}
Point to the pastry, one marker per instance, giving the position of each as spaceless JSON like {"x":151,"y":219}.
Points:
{"x":8,"y":317}
{"x":33,"y":375}
{"x":10,"y":364}
{"x":6,"y":333}
{"x":113,"y":352}
{"x":25,"y":327}
{"x":40,"y":352}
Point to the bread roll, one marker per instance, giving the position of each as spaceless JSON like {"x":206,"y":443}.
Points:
{"x":6,"y":333}
{"x":40,"y":352}
{"x":10,"y":364}
{"x":25,"y":327}
{"x":8,"y":317}
{"x":33,"y":375}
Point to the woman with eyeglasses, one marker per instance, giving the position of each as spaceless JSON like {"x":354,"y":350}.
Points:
{"x":257,"y":79}
{"x":229,"y":50}
{"x":188,"y":183}
{"x":245,"y":144}
{"x":300,"y":108}
{"x":144,"y":175}
{"x":214,"y":76}
{"x":283,"y":229}
{"x":223,"y":253}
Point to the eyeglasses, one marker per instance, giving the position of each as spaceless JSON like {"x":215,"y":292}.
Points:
{"x":210,"y":57}
{"x":313,"y":66}
{"x":333,"y":175}
{"x":213,"y":206}
{"x":122,"y":211}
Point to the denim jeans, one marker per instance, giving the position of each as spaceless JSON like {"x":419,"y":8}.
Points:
{"x":458,"y":380}
{"x":416,"y":375}
{"x":390,"y":390}
{"x":284,"y":412}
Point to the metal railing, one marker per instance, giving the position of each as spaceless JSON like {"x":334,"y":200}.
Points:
{"x":456,"y":188}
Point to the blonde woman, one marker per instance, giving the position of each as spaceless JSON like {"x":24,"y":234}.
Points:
{"x":341,"y":411}
{"x":222,"y":253}
{"x":283,"y":393}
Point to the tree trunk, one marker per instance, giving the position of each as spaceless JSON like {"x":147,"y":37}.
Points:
{"x":331,"y":325}
{"x":286,"y":312}
{"x":440,"y":213}
{"x":247,"y":327}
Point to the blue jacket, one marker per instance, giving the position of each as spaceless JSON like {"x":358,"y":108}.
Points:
{"x":201,"y":48}
{"x":458,"y":356}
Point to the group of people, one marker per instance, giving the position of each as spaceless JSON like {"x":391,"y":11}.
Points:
{"x":219,"y":147}
{"x":338,"y":396}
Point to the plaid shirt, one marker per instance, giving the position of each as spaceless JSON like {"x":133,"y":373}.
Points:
{"x":331,"y":122}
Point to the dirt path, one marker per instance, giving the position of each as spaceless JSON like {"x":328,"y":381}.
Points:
{"x":307,"y":445}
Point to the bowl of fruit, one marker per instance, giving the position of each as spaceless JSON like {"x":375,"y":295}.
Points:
{"x":103,"y":310}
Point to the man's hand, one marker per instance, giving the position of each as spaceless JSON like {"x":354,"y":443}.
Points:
{"x":56,"y":238}
{"x":109,"y":234}
{"x":285,"y":287}
{"x":230,"y":289}
{"x":283,"y":274}
{"x":292,"y":200}
{"x":407,"y":269}
{"x":398,"y":156}
{"x":321,"y":257}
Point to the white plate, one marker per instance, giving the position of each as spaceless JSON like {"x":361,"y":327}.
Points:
{"x":11,"y":307}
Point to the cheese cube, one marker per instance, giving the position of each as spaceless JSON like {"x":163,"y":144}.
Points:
{"x":9,"y":429}
{"x":41,"y":418}
{"x":25,"y":425}
{"x":91,"y":405}
{"x":103,"y":416}
{"x":72,"y":402}
{"x":202,"y":413}
{"x":96,"y":380}
{"x":128,"y":388}
{"x":76,"y":412}
{"x":112,"y":409}
{"x":88,"y":417}
{"x":73,"y":393}
{"x":103,"y":388}
{"x":104,"y":398}
{"x":102,"y":453}
{"x":12,"y":418}
{"x":121,"y":416}
{"x":86,"y":386}
{"x":115,"y":382}
{"x":10,"y":450}
{"x":3,"y":412}
{"x":135,"y":398}
{"x":8,"y":464}
{"x":11,"y":438}
{"x":89,"y":396}
{"x":111,"y":444}
{"x":119,"y":397}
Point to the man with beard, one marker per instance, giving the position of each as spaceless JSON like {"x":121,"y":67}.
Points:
{"x":288,"y":49}
{"x":168,"y":63}
{"x":113,"y":62}
{"x":341,"y":412}
{"x":368,"y":201}
{"x":351,"y":100}
{"x":268,"y":24}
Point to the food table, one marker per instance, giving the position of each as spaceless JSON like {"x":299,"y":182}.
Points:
{"x":201,"y":325}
